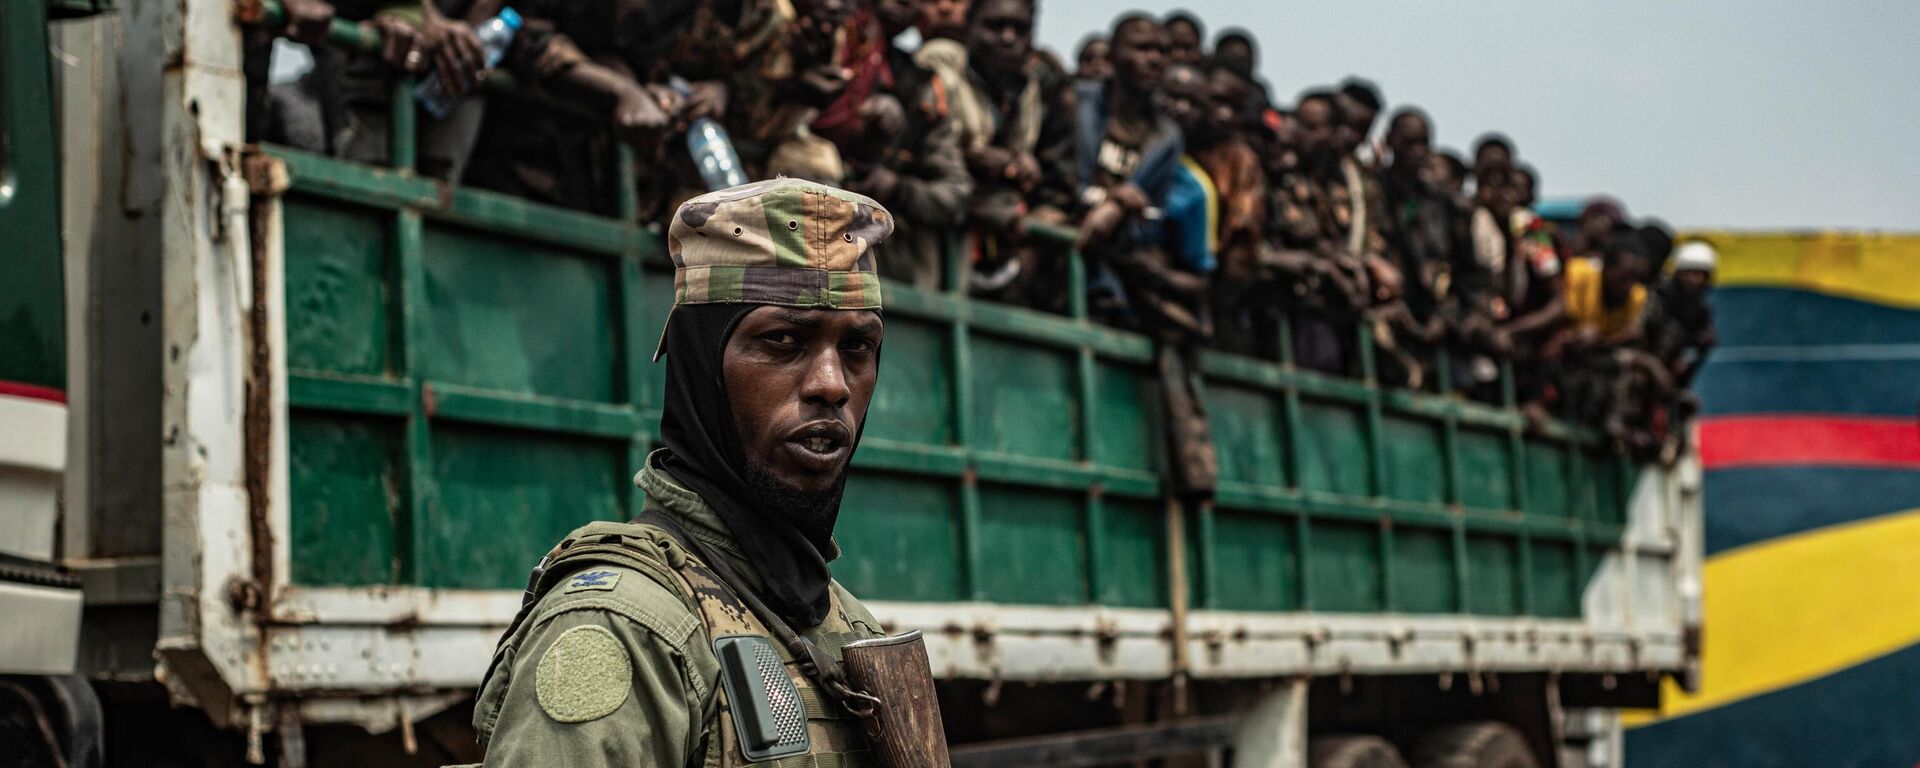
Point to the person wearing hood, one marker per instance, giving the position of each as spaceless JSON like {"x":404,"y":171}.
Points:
{"x":772,"y":355}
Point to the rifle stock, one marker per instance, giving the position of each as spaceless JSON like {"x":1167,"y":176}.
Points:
{"x":905,"y":728}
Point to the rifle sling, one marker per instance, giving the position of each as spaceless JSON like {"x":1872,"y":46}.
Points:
{"x":817,"y":664}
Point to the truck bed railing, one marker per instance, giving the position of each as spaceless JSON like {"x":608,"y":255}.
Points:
{"x":1546,"y":487}
{"x":403,"y":143}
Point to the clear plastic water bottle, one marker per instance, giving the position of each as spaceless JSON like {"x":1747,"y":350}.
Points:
{"x":495,"y":35}
{"x":711,"y":148}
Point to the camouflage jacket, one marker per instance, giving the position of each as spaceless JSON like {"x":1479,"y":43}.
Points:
{"x":614,"y":664}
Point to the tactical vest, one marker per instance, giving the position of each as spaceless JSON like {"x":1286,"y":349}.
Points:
{"x":837,"y":737}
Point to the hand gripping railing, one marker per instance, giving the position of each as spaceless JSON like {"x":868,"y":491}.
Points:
{"x":402,"y":142}
{"x":401,"y":124}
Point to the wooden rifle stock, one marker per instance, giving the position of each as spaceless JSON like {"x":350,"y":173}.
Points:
{"x":905,"y":727}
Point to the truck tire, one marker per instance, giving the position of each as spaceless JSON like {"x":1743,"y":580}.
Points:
{"x":1473,"y":745}
{"x":51,"y":721}
{"x":1352,"y":751}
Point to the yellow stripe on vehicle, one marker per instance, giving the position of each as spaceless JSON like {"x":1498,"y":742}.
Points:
{"x":1879,"y":268}
{"x":1786,"y":611}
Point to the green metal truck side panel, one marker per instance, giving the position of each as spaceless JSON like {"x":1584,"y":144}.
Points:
{"x":1134,"y":567}
{"x":905,"y":531}
{"x":1346,"y":571}
{"x":1491,"y":567}
{"x":1023,"y":400}
{"x":1034,"y":547}
{"x":346,"y":475}
{"x":1486,"y":470}
{"x":1547,"y":493}
{"x":33,"y":340}
{"x":1255,"y":555}
{"x":499,"y":490}
{"x":519,"y":316}
{"x":1414,"y":469}
{"x":469,"y":379}
{"x":1614,"y":476}
{"x":1248,"y":436}
{"x":1334,"y":459}
{"x":914,"y":402}
{"x":339,"y":316}
{"x":1128,"y":435}
{"x":1556,"y":589}
{"x":1425,"y":562}
{"x":655,"y":299}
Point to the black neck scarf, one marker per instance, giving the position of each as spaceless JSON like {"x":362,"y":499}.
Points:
{"x":704,"y":454}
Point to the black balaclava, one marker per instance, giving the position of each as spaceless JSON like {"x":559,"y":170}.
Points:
{"x":704,"y":454}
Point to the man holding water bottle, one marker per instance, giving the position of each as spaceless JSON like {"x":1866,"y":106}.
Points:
{"x":592,"y":53}
{"x":350,"y":92}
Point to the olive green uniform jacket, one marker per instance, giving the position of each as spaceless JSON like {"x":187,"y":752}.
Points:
{"x":613,"y":667}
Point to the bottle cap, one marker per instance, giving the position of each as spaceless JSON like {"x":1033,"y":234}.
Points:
{"x":511,"y":18}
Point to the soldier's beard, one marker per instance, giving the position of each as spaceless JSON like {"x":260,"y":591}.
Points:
{"x":813,"y":512}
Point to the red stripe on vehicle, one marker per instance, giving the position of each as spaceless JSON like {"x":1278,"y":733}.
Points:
{"x":1728,"y":442}
{"x":32,"y":391}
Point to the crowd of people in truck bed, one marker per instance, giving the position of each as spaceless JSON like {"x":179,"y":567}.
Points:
{"x":1207,"y":213}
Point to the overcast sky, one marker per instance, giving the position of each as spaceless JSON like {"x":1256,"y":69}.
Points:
{"x":1750,"y":114}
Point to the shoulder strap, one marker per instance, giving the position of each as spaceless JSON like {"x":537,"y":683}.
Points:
{"x":599,"y":543}
{"x":822,"y":668}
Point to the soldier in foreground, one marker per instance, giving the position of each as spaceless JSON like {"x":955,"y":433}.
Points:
{"x":652,"y":643}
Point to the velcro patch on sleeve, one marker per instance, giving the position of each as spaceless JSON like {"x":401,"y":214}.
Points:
{"x":587,"y":581}
{"x":585,"y":675}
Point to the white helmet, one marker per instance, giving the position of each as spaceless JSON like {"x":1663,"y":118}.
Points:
{"x":1695,"y":255}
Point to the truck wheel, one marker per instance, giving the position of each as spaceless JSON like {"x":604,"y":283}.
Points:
{"x":51,"y":721}
{"x":1473,"y":745}
{"x":1352,"y":751}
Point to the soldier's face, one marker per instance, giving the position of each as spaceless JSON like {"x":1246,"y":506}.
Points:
{"x":799,"y":381}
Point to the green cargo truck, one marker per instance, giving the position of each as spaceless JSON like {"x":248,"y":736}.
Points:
{"x":333,"y":414}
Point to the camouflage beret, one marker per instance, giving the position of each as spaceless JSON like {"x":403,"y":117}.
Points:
{"x":788,"y":242}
